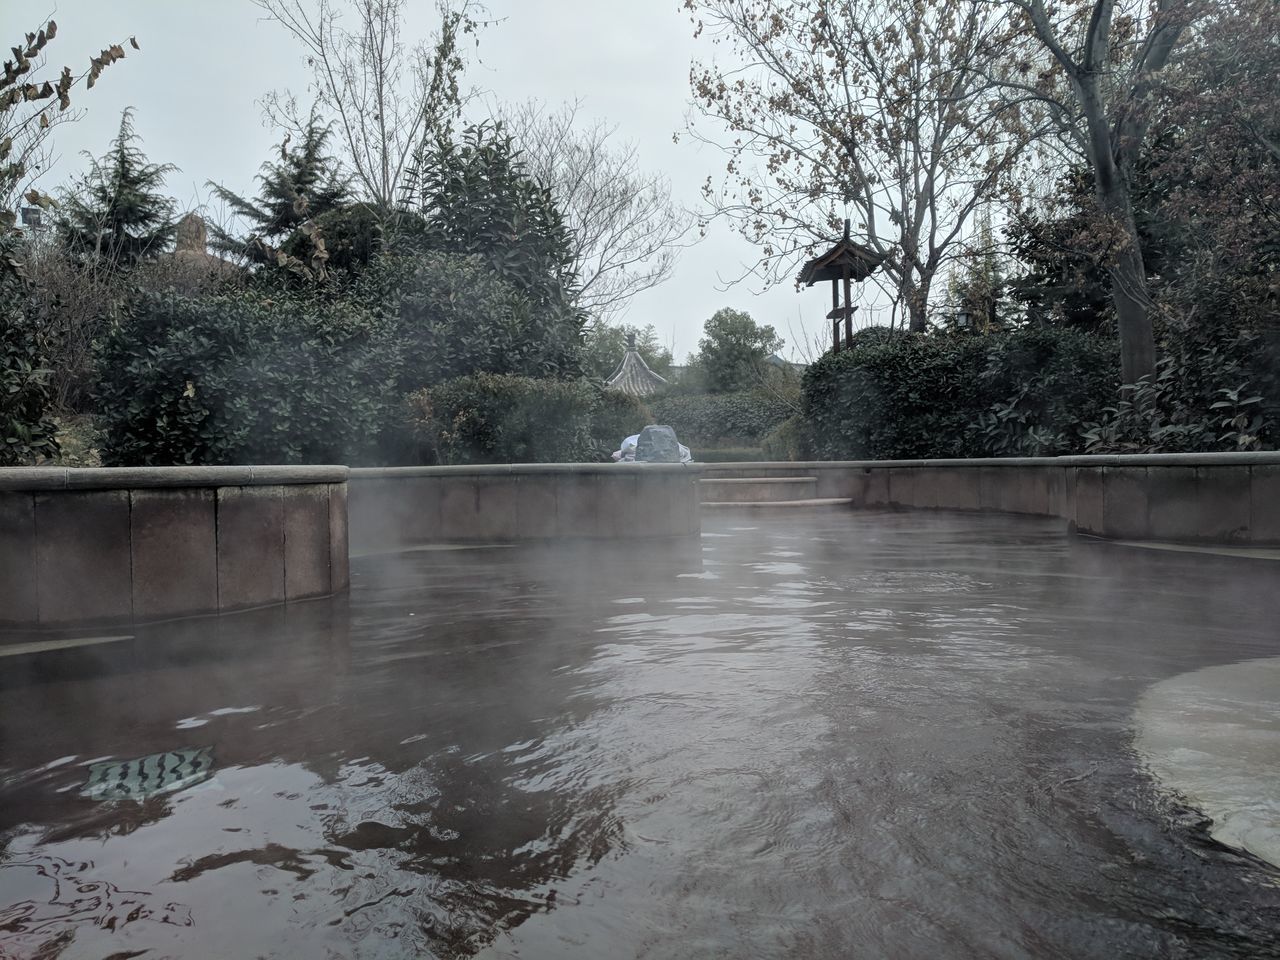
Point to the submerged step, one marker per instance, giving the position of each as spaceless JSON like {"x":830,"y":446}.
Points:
{"x":778,"y":504}
{"x":757,"y":489}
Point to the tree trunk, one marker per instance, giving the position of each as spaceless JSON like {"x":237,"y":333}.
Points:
{"x":1128,"y":272}
{"x":1129,"y":290}
{"x":917,"y":300}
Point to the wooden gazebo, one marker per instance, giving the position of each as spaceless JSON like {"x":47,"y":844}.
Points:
{"x":844,"y":264}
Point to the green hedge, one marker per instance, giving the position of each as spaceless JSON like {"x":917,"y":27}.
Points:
{"x":790,"y":440}
{"x":738,"y":419}
{"x":1020,"y":392}
{"x":498,"y":418}
{"x":246,"y":378}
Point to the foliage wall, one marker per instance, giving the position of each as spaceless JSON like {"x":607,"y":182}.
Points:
{"x":1018,"y":393}
{"x":499,"y":418}
{"x":741,"y":418}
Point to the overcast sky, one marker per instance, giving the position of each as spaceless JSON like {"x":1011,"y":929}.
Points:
{"x":205,"y":64}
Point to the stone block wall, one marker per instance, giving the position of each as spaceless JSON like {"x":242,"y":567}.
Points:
{"x":395,"y":507}
{"x":156,"y":543}
{"x":1206,"y":498}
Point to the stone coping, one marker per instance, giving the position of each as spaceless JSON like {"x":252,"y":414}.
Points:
{"x":1264,"y":458}
{"x":526,"y":469}
{"x":120,"y":478}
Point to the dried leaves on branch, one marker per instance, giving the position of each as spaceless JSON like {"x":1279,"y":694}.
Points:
{"x":29,"y":110}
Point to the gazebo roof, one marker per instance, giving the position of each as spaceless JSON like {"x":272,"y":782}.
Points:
{"x":633,"y":375}
{"x":845,"y":257}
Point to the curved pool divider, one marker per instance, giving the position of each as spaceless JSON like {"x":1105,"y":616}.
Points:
{"x":397,"y":507}
{"x":1213,"y":736}
{"x":151,"y":543}
{"x":1219,"y":498}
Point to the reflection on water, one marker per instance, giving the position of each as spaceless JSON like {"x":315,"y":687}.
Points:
{"x":843,"y":735}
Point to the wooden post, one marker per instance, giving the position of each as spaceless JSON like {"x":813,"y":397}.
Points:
{"x":848,"y":311}
{"x":835,"y":321}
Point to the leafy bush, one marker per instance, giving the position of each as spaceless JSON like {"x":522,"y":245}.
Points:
{"x":1044,"y":382}
{"x":245,"y":378}
{"x":615,"y":416}
{"x":912,"y":396}
{"x":721,"y":419}
{"x":1210,"y":392}
{"x":790,"y":440}
{"x":1017,"y":392}
{"x":27,"y":433}
{"x":728,"y":454}
{"x":498,"y":418}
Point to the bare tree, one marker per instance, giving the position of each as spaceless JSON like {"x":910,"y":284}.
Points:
{"x":872,"y":108}
{"x":1091,"y":66}
{"x":387,"y":96}
{"x":627,"y":231}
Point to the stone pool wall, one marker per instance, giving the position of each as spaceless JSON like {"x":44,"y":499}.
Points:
{"x":152,"y":543}
{"x":405,"y":506}
{"x":1217,"y":498}
{"x":155,"y":542}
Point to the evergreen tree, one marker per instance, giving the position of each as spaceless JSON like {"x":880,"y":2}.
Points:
{"x":302,"y":185}
{"x":116,"y":211}
{"x":478,"y":200}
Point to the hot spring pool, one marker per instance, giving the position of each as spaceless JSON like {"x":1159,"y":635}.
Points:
{"x":815,"y":735}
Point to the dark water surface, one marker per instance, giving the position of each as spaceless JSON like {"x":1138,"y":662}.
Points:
{"x":825,"y":735}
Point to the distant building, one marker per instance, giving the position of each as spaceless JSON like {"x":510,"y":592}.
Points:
{"x":633,"y":375}
{"x":786,"y":366}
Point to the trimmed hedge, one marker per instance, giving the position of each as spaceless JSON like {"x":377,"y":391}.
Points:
{"x":245,"y":379}
{"x":721,"y":419}
{"x":1015,"y":393}
{"x":498,"y":418}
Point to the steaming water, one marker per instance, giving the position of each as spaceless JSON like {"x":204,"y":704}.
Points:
{"x":824,"y":735}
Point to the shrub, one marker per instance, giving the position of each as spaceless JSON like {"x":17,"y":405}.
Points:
{"x":615,"y":416}
{"x":27,"y":432}
{"x":721,"y":419}
{"x":245,"y":378}
{"x":1044,"y":383}
{"x":912,"y":396}
{"x":498,"y":418}
{"x":1213,"y":390}
{"x":790,"y":440}
{"x":1018,"y":392}
{"x":727,"y":454}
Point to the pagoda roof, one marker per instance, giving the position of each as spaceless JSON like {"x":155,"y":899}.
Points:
{"x":846,"y":258}
{"x":633,"y":375}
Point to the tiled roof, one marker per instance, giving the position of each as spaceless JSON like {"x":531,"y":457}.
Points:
{"x":634,"y":377}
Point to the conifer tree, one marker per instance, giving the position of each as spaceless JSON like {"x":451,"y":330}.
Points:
{"x":116,"y":211}
{"x":303,"y":184}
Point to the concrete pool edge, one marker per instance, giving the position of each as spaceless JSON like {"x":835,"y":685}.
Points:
{"x":118,"y":544}
{"x":151,"y":543}
{"x":1220,"y":498}
{"x":396,"y":507}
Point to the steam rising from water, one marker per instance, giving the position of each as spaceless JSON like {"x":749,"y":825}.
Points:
{"x":828,"y":735}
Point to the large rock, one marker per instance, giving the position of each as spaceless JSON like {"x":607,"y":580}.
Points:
{"x":657,"y":444}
